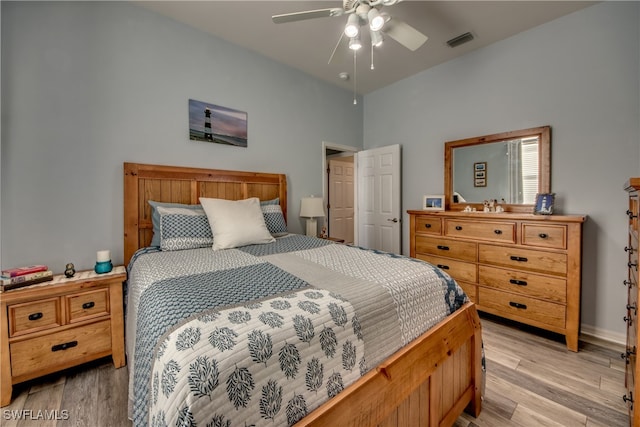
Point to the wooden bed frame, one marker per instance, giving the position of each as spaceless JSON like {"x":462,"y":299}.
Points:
{"x":429,"y":382}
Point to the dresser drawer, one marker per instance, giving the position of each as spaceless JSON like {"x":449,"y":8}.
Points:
{"x":430,"y":225}
{"x":544,"y":236}
{"x":34,"y":316}
{"x":521,"y":308}
{"x":466,"y":251}
{"x":87,"y":305}
{"x":504,"y":232}
{"x":459,"y":270}
{"x":54,"y":351}
{"x":523,"y":259}
{"x":470,"y":289}
{"x":529,"y":284}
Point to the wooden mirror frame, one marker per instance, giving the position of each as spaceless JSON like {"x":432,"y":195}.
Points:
{"x":544,"y":165}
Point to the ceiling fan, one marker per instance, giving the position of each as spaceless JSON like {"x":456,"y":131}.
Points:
{"x":363,"y":14}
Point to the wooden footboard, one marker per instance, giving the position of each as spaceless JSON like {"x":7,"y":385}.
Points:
{"x":426,"y":383}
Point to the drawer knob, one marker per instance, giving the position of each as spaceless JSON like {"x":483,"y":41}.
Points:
{"x":631,"y":215}
{"x":518,"y":305}
{"x":628,"y":283}
{"x":35,"y":316}
{"x":443,"y":248}
{"x":633,"y":264}
{"x":628,"y":320}
{"x":497,"y":231}
{"x":518,"y":282}
{"x":427,"y":226}
{"x":632,"y":307}
{"x":88,"y":305}
{"x":458,"y":227}
{"x":443,"y":267}
{"x":628,"y":249}
{"x":543,"y":235}
{"x":625,"y":356}
{"x":518,"y":258}
{"x":628,"y":399}
{"x":64,"y":346}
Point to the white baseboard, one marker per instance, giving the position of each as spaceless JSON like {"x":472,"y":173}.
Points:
{"x":597,"y":335}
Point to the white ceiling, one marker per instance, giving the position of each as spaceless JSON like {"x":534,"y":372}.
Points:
{"x":307,"y":45}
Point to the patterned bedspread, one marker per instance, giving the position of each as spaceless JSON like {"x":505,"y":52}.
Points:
{"x":263,"y":334}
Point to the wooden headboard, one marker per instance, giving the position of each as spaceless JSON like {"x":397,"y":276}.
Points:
{"x":177,"y":184}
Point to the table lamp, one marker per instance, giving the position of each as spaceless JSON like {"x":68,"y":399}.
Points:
{"x":311,"y":208}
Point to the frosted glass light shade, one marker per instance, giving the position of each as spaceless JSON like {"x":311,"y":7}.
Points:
{"x":311,"y":207}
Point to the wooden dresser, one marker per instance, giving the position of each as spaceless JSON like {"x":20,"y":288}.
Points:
{"x":522,"y":267}
{"x":631,"y":318}
{"x":58,"y":324}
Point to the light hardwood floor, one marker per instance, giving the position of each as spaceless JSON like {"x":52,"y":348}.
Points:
{"x":532,"y":380}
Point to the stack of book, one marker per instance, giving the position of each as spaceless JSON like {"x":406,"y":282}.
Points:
{"x":24,"y":276}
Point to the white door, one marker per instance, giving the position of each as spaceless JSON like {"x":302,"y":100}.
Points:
{"x":341,"y":199}
{"x":378,"y":188}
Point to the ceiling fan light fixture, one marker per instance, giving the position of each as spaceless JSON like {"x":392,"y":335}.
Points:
{"x":376,"y":38}
{"x":354,"y":43}
{"x":353,"y":26}
{"x":376,"y":21}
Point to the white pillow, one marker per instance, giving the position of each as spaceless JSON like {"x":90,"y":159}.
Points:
{"x":236,"y":222}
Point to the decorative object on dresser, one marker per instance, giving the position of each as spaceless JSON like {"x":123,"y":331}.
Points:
{"x":103,"y":262}
{"x":24,"y":276}
{"x":632,"y":368}
{"x":523,"y":267}
{"x":433,"y":202}
{"x":69,"y":270}
{"x":62,"y":323}
{"x":544,"y":204}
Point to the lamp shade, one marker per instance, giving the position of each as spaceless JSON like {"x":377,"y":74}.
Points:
{"x":311,"y":207}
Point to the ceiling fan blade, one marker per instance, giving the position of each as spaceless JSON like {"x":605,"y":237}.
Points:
{"x":404,"y":34}
{"x":308,"y":14}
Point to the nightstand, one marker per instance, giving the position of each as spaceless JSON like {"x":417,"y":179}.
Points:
{"x":58,"y":324}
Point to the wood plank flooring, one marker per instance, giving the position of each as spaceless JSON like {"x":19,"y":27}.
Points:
{"x":532,"y":380}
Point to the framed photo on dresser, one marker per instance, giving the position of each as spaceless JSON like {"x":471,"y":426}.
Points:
{"x":544,"y":203}
{"x":433,"y":202}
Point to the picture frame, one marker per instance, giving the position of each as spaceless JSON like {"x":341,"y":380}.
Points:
{"x":217,"y":124}
{"x":433,"y":202}
{"x":480,"y":174}
{"x":544,"y":203}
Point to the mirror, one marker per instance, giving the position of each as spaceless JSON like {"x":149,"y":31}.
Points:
{"x":511,"y":167}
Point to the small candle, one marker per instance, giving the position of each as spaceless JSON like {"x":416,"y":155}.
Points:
{"x":103,"y":256}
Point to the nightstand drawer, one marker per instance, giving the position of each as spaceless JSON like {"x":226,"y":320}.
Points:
{"x":87,"y":305}
{"x":56,"y":351}
{"x":34,"y":316}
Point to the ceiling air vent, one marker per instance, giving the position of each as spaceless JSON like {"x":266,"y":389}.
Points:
{"x":461,"y":39}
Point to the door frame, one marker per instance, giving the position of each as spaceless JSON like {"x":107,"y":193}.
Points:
{"x":325,"y":182}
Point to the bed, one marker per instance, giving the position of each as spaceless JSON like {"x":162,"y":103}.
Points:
{"x":309,"y":352}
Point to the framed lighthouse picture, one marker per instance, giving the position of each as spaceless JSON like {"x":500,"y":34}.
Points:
{"x":214,"y":123}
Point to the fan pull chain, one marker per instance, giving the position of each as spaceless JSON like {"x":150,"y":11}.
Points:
{"x":372,"y":67}
{"x":355,"y":77}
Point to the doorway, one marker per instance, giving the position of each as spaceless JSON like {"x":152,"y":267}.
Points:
{"x":339,"y":191}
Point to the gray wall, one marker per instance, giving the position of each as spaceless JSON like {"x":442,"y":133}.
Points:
{"x":88,"y":86}
{"x":580,"y":75}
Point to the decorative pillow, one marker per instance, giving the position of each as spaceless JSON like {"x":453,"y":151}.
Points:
{"x":236,"y":222}
{"x":182,"y":228}
{"x":155,"y":217}
{"x":273,"y":217}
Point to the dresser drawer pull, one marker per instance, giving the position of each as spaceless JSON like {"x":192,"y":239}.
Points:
{"x":518,"y":258}
{"x":628,"y":283}
{"x":632,"y":307}
{"x":628,"y":399}
{"x":35,"y":316}
{"x":497,"y":231}
{"x":458,"y":227}
{"x":88,"y":305}
{"x":628,"y":249}
{"x":443,"y":248}
{"x":427,"y":226}
{"x":631,"y":215}
{"x":518,"y":305}
{"x":628,"y":320}
{"x":543,"y":235}
{"x":442,"y":266}
{"x":518,"y":282}
{"x":64,"y":346}
{"x":627,"y":354}
{"x":632,"y":264}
